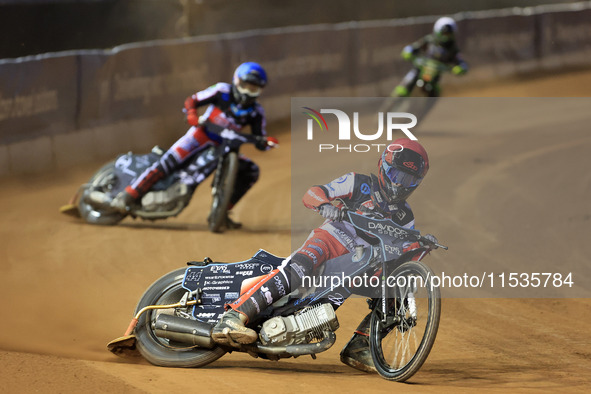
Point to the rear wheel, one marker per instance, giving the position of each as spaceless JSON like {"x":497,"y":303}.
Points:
{"x":161,"y":351}
{"x":400,"y":340}
{"x":222,"y":191}
{"x":104,"y":181}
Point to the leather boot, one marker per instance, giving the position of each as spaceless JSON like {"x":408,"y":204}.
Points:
{"x":356,"y":353}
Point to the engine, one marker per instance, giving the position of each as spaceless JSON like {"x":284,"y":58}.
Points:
{"x":164,"y":199}
{"x":300,"y":328}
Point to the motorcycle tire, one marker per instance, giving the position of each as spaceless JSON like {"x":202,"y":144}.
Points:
{"x":222,"y":192}
{"x":104,"y":179}
{"x":165,"y":352}
{"x":401,"y":342}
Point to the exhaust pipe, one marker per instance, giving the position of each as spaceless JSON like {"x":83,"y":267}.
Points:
{"x":296,"y":350}
{"x":182,"y":330}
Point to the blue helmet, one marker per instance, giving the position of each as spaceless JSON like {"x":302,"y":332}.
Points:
{"x":248,"y":82}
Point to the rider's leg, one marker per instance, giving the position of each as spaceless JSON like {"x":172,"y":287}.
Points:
{"x":257,"y":298}
{"x":167,"y":163}
{"x":317,"y":249}
{"x":405,"y":86}
{"x":248,"y":174}
{"x":356,"y":352}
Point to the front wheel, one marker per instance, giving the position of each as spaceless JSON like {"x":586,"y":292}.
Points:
{"x":161,"y":351}
{"x":223,"y":188}
{"x":401,"y":339}
{"x":103,"y":181}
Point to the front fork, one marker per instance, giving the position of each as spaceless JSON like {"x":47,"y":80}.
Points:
{"x":218,"y":175}
{"x":408,"y":296}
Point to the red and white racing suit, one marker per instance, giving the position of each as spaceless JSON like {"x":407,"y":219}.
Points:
{"x":222,"y":113}
{"x":332,"y":239}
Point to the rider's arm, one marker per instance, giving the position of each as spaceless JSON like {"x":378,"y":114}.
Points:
{"x":405,"y":218}
{"x":199,"y":99}
{"x":315,"y":197}
{"x":457,"y":63}
{"x":341,"y":188}
{"x":258,"y":123}
{"x":411,"y":50}
{"x":460,"y":66}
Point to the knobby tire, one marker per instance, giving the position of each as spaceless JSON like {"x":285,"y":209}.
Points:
{"x":224,"y":189}
{"x":413,"y":340}
{"x":164,"y":352}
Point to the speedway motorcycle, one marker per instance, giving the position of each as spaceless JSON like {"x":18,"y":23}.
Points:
{"x":427,"y":81}
{"x":426,"y":86}
{"x":169,"y":196}
{"x":174,"y":318}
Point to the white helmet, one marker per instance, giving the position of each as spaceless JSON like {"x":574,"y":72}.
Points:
{"x":445,"y":29}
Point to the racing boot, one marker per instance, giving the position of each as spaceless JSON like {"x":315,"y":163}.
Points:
{"x":356,"y":353}
{"x":231,"y":329}
{"x":401,"y":91}
{"x":122,"y":201}
{"x":228,"y":223}
{"x":270,"y":288}
{"x":231,"y":224}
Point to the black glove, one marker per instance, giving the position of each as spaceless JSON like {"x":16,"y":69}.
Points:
{"x":330,"y":212}
{"x":431,"y":238}
{"x":261,"y":144}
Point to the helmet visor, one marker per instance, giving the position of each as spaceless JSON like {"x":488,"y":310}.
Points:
{"x":248,"y":88}
{"x":446,"y":34}
{"x":402,"y":178}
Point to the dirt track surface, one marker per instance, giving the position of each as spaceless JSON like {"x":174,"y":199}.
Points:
{"x":69,"y":288}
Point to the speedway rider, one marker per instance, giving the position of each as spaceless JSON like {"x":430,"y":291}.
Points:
{"x":401,"y":169}
{"x":439,"y":45}
{"x":230,"y":106}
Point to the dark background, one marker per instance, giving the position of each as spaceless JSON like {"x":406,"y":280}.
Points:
{"x":30,"y":27}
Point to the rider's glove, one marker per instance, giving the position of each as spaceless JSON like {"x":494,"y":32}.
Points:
{"x":431,"y":238}
{"x":266,"y":143}
{"x":458,"y":70}
{"x":261,"y":144}
{"x":407,"y":53}
{"x":192,"y":117}
{"x":330,"y":212}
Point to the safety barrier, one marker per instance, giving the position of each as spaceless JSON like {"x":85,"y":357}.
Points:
{"x":64,"y":108}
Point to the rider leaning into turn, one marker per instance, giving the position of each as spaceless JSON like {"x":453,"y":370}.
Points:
{"x":440,"y":45}
{"x":401,"y":169}
{"x":230,"y":106}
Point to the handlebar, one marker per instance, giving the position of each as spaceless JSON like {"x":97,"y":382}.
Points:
{"x":232,"y":135}
{"x":429,"y":242}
